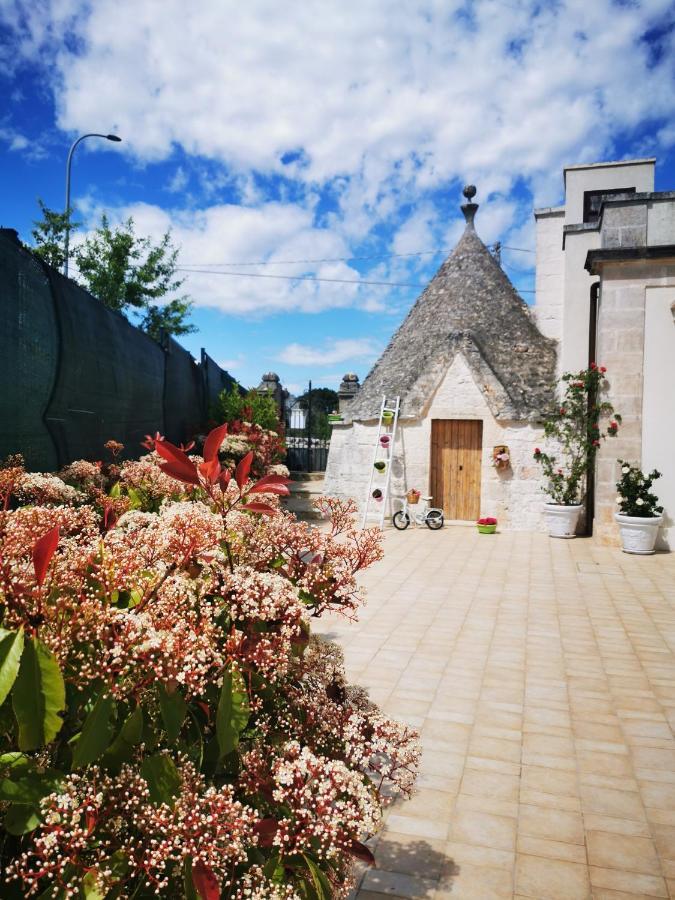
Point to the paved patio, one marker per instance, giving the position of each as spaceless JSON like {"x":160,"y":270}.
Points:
{"x":541,"y":674}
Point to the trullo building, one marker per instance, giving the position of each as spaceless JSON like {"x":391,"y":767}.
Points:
{"x":475,"y":376}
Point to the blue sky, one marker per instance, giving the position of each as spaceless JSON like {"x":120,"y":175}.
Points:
{"x":320,"y":133}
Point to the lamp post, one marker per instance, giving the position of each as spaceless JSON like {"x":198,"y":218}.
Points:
{"x":106,"y":137}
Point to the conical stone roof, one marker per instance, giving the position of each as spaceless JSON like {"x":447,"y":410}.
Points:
{"x":469,"y":307}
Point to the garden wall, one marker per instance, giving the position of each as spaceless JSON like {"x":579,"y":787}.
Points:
{"x":74,"y":374}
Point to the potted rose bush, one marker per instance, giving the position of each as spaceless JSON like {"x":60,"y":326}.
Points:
{"x":582,"y":421}
{"x":639,"y":515}
{"x":170,"y":726}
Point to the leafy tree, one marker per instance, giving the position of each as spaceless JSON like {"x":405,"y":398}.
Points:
{"x":125,"y":271}
{"x":324,"y":401}
{"x":170,"y":318}
{"x":260,"y":409}
{"x":49,"y":235}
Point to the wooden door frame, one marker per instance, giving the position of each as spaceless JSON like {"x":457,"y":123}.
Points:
{"x":460,"y":496}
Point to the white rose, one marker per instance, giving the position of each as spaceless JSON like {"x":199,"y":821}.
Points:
{"x":619,"y":499}
{"x":639,"y":501}
{"x":625,"y":470}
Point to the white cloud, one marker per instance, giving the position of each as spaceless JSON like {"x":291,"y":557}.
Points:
{"x":178,"y":181}
{"x":332,"y":352}
{"x":387,"y":109}
{"x":395,"y":99}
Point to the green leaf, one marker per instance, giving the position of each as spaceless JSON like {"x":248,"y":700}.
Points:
{"x":20,"y":819}
{"x":162,"y":777}
{"x":173,"y":709}
{"x":134,"y":498}
{"x":96,"y":732}
{"x":188,"y":885}
{"x":115,"y":490}
{"x":38,"y":696}
{"x":30,"y":787}
{"x":11,"y":648}
{"x":121,"y":749}
{"x":233,"y":711}
{"x":320,"y":883}
{"x":91,"y":889}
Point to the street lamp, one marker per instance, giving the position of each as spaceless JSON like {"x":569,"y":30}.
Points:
{"x":106,"y":137}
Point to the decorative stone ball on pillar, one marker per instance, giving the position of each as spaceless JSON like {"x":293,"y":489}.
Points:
{"x":348,"y":389}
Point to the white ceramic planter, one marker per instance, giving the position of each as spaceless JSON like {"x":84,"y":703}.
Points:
{"x":638,"y":534}
{"x":562,"y":520}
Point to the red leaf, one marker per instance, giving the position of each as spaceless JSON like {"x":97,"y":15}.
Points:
{"x":224,"y":479}
{"x":271,"y":484}
{"x":43,"y":550}
{"x":172,"y":453}
{"x":243,"y":468}
{"x":205,"y":882}
{"x":262,"y":508}
{"x":181,"y":473}
{"x":210,"y":470}
{"x":266,"y":829}
{"x":213,"y":442}
{"x":360,"y":851}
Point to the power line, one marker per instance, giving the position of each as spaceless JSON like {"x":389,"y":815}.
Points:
{"x":195,"y":271}
{"x":332,"y":259}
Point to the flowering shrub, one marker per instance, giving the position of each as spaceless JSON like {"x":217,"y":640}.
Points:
{"x":267,"y":446}
{"x":487,"y":520}
{"x":578,"y":430}
{"x":169,"y":724}
{"x":634,"y":495}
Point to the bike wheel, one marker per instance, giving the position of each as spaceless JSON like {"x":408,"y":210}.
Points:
{"x":434,"y":519}
{"x":401,"y":520}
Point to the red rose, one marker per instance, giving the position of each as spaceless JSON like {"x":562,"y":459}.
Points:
{"x":596,"y":443}
{"x":562,"y":410}
{"x":593,"y":366}
{"x":537,"y":451}
{"x":603,"y":369}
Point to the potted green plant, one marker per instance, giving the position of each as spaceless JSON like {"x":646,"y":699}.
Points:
{"x":487,"y":525}
{"x":380,"y":465}
{"x":578,"y":427}
{"x":639,"y":515}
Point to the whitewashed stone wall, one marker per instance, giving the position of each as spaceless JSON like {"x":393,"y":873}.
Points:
{"x":513,"y":496}
{"x":550,"y":271}
{"x":621,"y":347}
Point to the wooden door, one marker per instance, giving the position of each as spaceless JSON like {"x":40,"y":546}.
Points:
{"x":456,"y":446}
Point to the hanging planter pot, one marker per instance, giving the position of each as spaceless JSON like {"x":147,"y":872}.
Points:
{"x":387,"y":417}
{"x":334,"y":418}
{"x":377,"y":495}
{"x":380,"y":465}
{"x":385,"y":440}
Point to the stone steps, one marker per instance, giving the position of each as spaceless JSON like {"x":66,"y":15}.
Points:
{"x":303,"y":493}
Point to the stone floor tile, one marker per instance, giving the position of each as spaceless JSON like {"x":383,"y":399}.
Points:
{"x":490,"y":784}
{"x":399,"y":884}
{"x":472,"y":827}
{"x":608,"y":802}
{"x":550,"y":823}
{"x":632,"y":883}
{"x":405,"y":853}
{"x":459,"y":854}
{"x":549,"y":781}
{"x":418,"y":827}
{"x":535,"y":846}
{"x":475,"y":883}
{"x":507,"y":808}
{"x":616,"y":826}
{"x":551,"y":879}
{"x":619,"y":851}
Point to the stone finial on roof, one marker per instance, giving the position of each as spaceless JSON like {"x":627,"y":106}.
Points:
{"x":469,"y":208}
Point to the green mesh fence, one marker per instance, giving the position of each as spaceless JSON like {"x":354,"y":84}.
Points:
{"x":74,"y":374}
